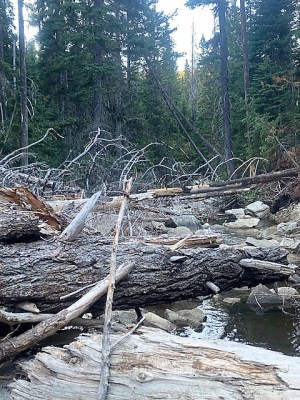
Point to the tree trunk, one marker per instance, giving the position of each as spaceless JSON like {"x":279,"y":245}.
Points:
{"x":42,"y":272}
{"x":3,"y":99}
{"x":222,"y":4}
{"x":157,"y":365}
{"x":99,"y":101}
{"x":246,"y":67}
{"x":23,"y":86}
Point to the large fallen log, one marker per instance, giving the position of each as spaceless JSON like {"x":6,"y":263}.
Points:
{"x":42,"y":272}
{"x":157,"y":365}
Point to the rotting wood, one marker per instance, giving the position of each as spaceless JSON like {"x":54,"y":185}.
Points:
{"x":42,"y":272}
{"x":155,"y":364}
{"x":28,"y":201}
{"x":10,"y":347}
{"x":106,"y":348}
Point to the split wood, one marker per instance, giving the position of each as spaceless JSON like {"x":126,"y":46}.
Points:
{"x":106,"y":348}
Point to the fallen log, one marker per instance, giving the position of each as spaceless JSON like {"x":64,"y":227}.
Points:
{"x":41,"y":272}
{"x":155,"y":364}
{"x":15,"y":225}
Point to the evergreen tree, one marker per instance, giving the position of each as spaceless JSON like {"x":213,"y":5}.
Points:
{"x":221,"y":7}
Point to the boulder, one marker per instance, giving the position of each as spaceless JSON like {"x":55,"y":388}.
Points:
{"x":262,"y":297}
{"x":261,"y":242}
{"x":126,"y":318}
{"x":181,"y":231}
{"x":288,"y":292}
{"x":192,"y":318}
{"x":188,"y":220}
{"x":154,"y":321}
{"x":258,"y":209}
{"x":243,"y":223}
{"x":291,"y":244}
{"x":237,"y":212}
{"x":289,"y":228}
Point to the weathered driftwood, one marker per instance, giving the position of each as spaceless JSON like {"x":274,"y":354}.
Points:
{"x":42,"y":272}
{"x":9,"y":347}
{"x":106,"y":347}
{"x":157,"y":365}
{"x":17,"y":318}
{"x":78,"y":223}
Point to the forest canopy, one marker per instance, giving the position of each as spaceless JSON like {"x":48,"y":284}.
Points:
{"x":106,"y":69}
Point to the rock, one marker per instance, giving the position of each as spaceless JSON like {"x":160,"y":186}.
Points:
{"x":295,"y":278}
{"x":231,"y":300}
{"x":126,"y":318}
{"x":258,"y":209}
{"x":189,"y":221}
{"x":159,"y":227}
{"x":237,"y":212}
{"x":181,"y":231}
{"x":175,"y":318}
{"x":261,"y":296}
{"x":289,"y":228}
{"x":183,"y":318}
{"x":243,"y":223}
{"x":291,"y":243}
{"x":155,"y":321}
{"x":262,"y":242}
{"x":287,"y":292}
{"x":193,"y":317}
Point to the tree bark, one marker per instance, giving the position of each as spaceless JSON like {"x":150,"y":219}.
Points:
{"x":41,"y":272}
{"x":23,"y":86}
{"x":155,"y":364}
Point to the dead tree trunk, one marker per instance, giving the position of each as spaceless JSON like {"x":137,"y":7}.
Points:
{"x":155,"y":364}
{"x":42,"y":272}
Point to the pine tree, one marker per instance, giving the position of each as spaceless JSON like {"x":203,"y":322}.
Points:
{"x":221,"y":7}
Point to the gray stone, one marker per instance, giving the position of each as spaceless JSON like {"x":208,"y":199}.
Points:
{"x":288,"y":292}
{"x":193,"y":317}
{"x":237,"y":212}
{"x":258,"y":209}
{"x":155,"y":321}
{"x":289,"y":228}
{"x":262,"y":242}
{"x":261,"y":296}
{"x":188,"y":220}
{"x":126,"y":318}
{"x":243,"y":223}
{"x":182,"y":318}
{"x":231,"y":300}
{"x":181,"y":231}
{"x":175,"y":318}
{"x":291,"y":244}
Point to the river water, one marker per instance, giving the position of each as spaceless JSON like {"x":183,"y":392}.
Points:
{"x":277,"y":330}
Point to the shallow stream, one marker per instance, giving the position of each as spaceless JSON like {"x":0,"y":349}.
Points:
{"x":274,"y":329}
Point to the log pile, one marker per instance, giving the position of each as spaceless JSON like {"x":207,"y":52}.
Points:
{"x":68,"y":274}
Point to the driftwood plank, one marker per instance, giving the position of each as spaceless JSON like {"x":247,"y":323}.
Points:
{"x":157,"y":365}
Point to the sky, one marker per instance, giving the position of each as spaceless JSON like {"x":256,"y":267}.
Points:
{"x":203,"y":25}
{"x":183,"y":21}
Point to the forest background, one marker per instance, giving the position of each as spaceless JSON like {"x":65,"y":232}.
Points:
{"x":104,"y":72}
